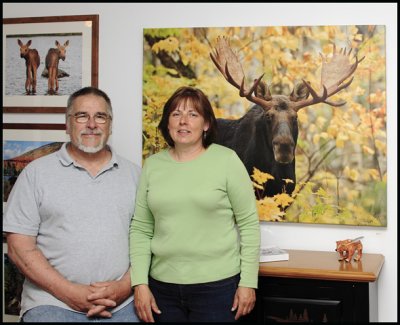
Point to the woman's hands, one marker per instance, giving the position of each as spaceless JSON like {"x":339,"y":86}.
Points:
{"x":145,"y":304}
{"x":244,"y":301}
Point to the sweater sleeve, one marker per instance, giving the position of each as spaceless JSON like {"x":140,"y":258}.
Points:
{"x":140,"y":234}
{"x":243,"y":201}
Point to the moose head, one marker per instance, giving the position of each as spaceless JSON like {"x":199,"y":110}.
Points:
{"x":277,"y":114}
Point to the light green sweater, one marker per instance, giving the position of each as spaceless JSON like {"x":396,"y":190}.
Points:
{"x":184,"y":226}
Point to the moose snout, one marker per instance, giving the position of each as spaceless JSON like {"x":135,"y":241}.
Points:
{"x":283,"y":148}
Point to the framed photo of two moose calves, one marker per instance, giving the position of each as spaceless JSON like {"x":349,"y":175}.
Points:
{"x":47,"y":58}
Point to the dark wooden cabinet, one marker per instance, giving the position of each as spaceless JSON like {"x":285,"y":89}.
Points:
{"x":314,"y":301}
{"x":313,"y":286}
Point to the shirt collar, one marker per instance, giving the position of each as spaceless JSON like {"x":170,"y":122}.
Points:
{"x":67,"y":160}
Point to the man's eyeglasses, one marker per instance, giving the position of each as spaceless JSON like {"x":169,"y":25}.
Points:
{"x":99,"y":118}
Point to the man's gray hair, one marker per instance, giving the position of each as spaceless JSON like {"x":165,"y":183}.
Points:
{"x":88,"y":91}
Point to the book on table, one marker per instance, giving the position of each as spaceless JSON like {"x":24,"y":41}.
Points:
{"x":272,"y":254}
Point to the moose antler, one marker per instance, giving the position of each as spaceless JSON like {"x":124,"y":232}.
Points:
{"x":229,"y":65}
{"x":333,"y":74}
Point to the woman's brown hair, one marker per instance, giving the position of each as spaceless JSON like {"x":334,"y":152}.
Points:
{"x":200,"y":103}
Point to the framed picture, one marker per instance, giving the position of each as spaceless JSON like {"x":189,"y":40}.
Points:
{"x":314,"y":156}
{"x":45,"y":59}
{"x":12,"y":284}
{"x":23,"y":143}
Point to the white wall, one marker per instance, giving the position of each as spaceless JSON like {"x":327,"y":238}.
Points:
{"x":120,"y":75}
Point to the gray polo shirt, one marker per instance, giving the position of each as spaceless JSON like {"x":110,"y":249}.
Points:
{"x":81,"y":222}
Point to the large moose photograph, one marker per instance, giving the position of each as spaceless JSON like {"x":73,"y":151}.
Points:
{"x":304,"y":107}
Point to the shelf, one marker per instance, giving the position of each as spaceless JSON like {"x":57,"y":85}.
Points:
{"x":324,"y":265}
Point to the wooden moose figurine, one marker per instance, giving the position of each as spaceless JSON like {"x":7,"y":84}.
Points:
{"x":52,"y":58}
{"x":32,"y":62}
{"x":348,"y":247}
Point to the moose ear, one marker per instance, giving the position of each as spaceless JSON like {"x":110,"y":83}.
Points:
{"x":299,"y":92}
{"x":20,"y":43}
{"x":66,"y":43}
{"x":262,"y":90}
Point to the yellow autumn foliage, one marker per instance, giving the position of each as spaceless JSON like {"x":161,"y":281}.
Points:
{"x":169,"y":45}
{"x":260,"y":177}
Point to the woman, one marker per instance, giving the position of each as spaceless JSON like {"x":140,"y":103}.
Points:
{"x":195,"y":233}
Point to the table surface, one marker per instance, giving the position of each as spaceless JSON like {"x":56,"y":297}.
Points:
{"x":324,"y":265}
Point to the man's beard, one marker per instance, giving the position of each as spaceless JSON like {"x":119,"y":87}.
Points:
{"x":87,"y":149}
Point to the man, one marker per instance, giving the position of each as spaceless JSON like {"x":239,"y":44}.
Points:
{"x":67,"y":222}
